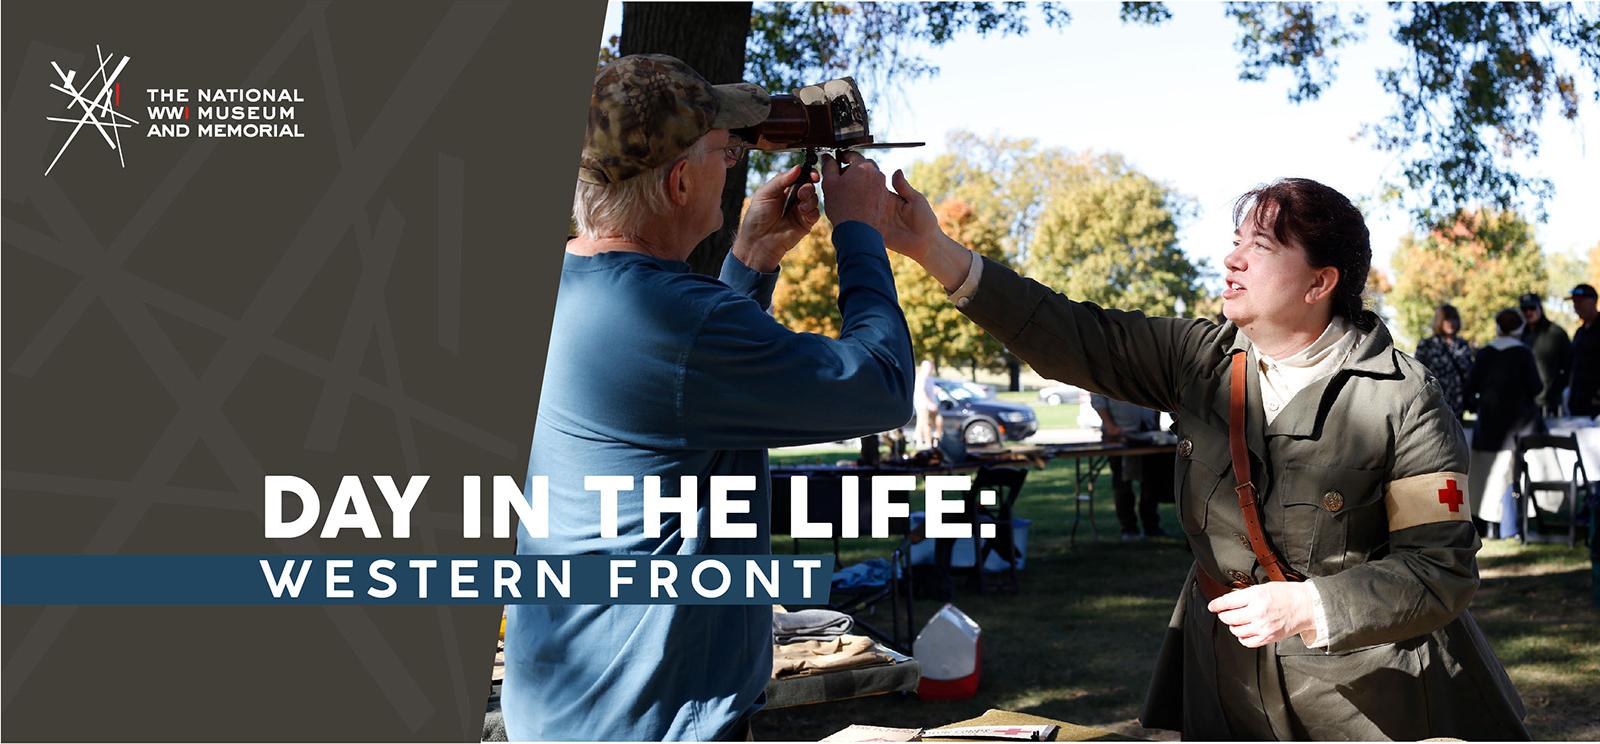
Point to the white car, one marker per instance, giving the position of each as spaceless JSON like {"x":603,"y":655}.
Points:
{"x":1062,"y":393}
{"x":1059,"y":393}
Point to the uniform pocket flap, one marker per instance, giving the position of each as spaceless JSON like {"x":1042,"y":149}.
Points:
{"x":1202,"y":466}
{"x":1332,"y":489}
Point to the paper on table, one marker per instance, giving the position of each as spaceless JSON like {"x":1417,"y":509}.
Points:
{"x":858,"y":732}
{"x":1033,"y":732}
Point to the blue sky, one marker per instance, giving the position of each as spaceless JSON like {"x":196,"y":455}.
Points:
{"x":1169,"y":99}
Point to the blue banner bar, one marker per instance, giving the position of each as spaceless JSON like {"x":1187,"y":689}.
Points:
{"x":413,"y":579}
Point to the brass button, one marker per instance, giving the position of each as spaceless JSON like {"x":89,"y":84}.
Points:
{"x":1185,"y":447}
{"x":1243,"y":540}
{"x":1240,"y":579}
{"x":1333,"y":501}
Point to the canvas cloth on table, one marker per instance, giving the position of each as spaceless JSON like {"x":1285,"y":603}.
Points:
{"x":809,"y":625}
{"x":808,"y":657}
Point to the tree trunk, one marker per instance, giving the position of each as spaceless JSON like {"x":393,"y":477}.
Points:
{"x":709,"y":37}
{"x":1014,"y":366}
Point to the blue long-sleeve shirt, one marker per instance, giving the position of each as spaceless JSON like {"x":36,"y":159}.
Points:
{"x":654,"y":370}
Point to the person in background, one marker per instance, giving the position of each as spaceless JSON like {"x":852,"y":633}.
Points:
{"x":1503,"y":389}
{"x":927,"y":402}
{"x":1583,"y":398}
{"x":1551,"y":352}
{"x":1448,"y":356}
{"x":1118,"y":420}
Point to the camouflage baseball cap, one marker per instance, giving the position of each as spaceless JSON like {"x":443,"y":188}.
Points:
{"x":648,"y":108}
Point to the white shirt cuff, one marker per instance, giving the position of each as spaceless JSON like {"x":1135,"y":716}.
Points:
{"x":969,"y":286}
{"x":1317,"y":637}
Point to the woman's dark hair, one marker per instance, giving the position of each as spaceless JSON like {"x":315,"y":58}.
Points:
{"x":1446,"y":312}
{"x":1509,"y":320}
{"x":1330,"y":229}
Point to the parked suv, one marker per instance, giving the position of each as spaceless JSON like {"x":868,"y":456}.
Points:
{"x":983,"y":421}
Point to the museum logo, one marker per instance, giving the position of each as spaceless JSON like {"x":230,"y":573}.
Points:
{"x":170,"y":112}
{"x":98,"y":111}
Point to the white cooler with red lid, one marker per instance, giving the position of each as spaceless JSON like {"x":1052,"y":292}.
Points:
{"x":950,"y":652}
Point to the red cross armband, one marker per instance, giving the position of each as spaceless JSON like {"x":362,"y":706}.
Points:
{"x":1427,"y":498}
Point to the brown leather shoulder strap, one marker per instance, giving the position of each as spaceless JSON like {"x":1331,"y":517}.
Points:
{"x":1276,"y":569}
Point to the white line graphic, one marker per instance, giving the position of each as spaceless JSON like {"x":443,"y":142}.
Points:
{"x":96,"y":111}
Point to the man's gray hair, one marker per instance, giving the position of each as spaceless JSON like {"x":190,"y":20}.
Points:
{"x":623,"y":208}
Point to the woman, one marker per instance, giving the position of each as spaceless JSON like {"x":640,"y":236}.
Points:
{"x":1448,"y":357}
{"x":1503,"y":390}
{"x":1328,"y":600}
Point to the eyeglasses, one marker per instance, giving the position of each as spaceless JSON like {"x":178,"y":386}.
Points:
{"x":734,"y":152}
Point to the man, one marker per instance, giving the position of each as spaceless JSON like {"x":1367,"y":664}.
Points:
{"x":1118,"y":420}
{"x":1583,"y":399}
{"x":1320,"y":481}
{"x":929,"y":423}
{"x":654,"y":370}
{"x":1551,"y":351}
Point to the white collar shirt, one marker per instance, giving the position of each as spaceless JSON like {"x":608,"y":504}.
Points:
{"x":1282,"y":379}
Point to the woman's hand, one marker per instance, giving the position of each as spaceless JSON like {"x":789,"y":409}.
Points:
{"x":913,"y":231}
{"x":912,"y":228}
{"x":1266,"y":613}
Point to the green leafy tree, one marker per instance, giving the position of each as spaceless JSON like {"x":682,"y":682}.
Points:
{"x":1593,"y":272}
{"x":1469,"y":96}
{"x":1468,"y":99}
{"x":1481,"y":264}
{"x":1007,"y":181}
{"x":796,"y":44}
{"x":1378,"y":289}
{"x":1087,"y":225}
{"x":938,"y":330}
{"x":1112,"y":238}
{"x":1566,"y":270}
{"x":1208,"y":306}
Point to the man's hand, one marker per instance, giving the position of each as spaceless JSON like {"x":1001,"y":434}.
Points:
{"x":767,"y":234}
{"x":1266,"y":613}
{"x":854,"y":190}
{"x":1109,"y":431}
{"x":903,"y":217}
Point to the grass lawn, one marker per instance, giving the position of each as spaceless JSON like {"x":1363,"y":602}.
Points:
{"x":1064,"y":416}
{"x":1079,"y":641}
{"x":1534,"y":606}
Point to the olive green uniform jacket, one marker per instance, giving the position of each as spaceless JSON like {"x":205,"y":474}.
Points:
{"x":1361,"y":480}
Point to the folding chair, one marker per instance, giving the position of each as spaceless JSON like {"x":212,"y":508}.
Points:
{"x":1007,"y":485}
{"x":1525,"y":487}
